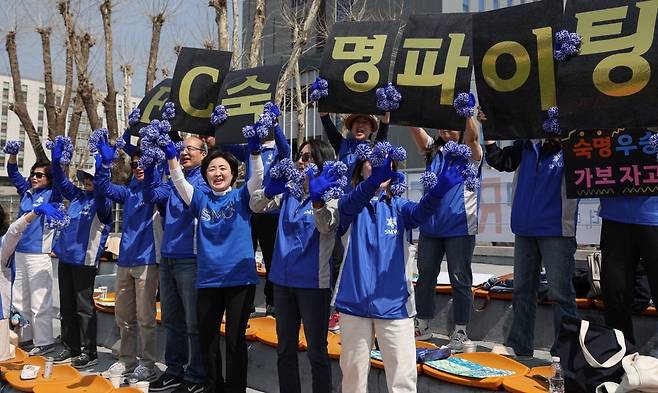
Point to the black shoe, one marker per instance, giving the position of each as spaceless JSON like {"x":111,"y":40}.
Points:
{"x":189,"y":387}
{"x":84,"y":360}
{"x":270,"y":310}
{"x":64,"y":357}
{"x":165,"y":382}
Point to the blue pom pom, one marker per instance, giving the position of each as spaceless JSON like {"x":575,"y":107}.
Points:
{"x":552,"y":125}
{"x":12,"y":147}
{"x":398,"y":186}
{"x":388,"y":98}
{"x":653,"y":141}
{"x":363,"y":152}
{"x":337,"y":168}
{"x":248,"y":131}
{"x":169,"y":111}
{"x":464,"y":104}
{"x":280,"y":169}
{"x":566,"y":45}
{"x":219,"y":115}
{"x":59,"y":224}
{"x":319,"y":89}
{"x":67,"y":153}
{"x":398,"y":153}
{"x":472,"y":184}
{"x":428,"y":180}
{"x":332,"y":193}
{"x":133,"y":117}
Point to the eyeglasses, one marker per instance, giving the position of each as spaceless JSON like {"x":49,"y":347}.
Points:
{"x":134,"y":165}
{"x":304,"y":157}
{"x":190,"y":149}
{"x":38,"y":175}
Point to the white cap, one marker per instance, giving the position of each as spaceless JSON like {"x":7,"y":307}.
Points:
{"x":555,"y":359}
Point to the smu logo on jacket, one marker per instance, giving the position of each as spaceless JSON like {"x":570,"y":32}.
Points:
{"x":391,"y":226}
{"x":226,"y":213}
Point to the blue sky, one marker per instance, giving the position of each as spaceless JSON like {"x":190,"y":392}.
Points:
{"x":189,"y":23}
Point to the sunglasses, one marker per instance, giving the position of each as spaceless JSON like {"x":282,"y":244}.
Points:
{"x":134,"y":165}
{"x":190,"y":149}
{"x":304,"y":157}
{"x":38,"y":175}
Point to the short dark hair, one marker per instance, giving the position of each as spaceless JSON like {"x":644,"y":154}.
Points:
{"x":357,"y":177}
{"x":45,"y":165}
{"x":137,"y":153}
{"x":4,"y":222}
{"x":233,"y":163}
{"x":321,"y":151}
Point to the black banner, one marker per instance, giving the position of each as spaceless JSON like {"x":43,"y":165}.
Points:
{"x":197,"y":80}
{"x":613,"y":81}
{"x":433,"y":65}
{"x":151,"y":105}
{"x":356,"y":61}
{"x":244,"y":94}
{"x":606,"y":163}
{"x":514,"y":68}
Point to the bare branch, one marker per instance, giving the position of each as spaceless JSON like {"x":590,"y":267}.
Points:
{"x":236,"y":35}
{"x":222,"y":22}
{"x":156,"y":28}
{"x":127,"y":71}
{"x":110,"y":100}
{"x":257,"y":34}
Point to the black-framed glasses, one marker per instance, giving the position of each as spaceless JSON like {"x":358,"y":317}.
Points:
{"x":134,"y":165}
{"x":38,"y":175}
{"x":305,"y":157}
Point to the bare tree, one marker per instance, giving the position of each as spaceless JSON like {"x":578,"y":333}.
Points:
{"x":301,"y":37}
{"x":221,"y":18}
{"x":257,"y":34}
{"x":110,"y":100}
{"x":157,"y":21}
{"x":19,"y":107}
{"x":236,"y":36}
{"x":127,"y":72}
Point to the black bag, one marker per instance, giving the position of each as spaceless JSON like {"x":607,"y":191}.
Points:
{"x":590,"y":354}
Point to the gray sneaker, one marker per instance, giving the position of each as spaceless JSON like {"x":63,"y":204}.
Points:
{"x":422,"y":329}
{"x":41,"y":350}
{"x":143,"y":373}
{"x":457,"y":339}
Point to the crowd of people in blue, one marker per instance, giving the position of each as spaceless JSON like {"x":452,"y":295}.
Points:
{"x":191,"y":233}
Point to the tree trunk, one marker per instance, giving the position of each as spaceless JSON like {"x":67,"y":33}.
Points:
{"x":221,"y":19}
{"x":301,"y":106}
{"x":19,"y":106}
{"x":127,"y":71}
{"x":297,"y":47}
{"x":76,"y":115}
{"x":156,"y":27}
{"x":257,"y":34}
{"x":110,"y":101}
{"x":237,"y":51}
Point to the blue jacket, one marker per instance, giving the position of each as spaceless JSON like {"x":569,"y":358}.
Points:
{"x":642,"y":210}
{"x":375,"y":281}
{"x":458,"y":213}
{"x":345,"y":148}
{"x":141,"y":231}
{"x":37,"y":238}
{"x":179,"y":237}
{"x":225,"y":255}
{"x":304,"y":240}
{"x":539,"y":206}
{"x":83,"y":240}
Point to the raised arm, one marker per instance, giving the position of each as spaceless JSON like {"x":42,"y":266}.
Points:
{"x":259,"y":202}
{"x":472,"y":138}
{"x":112,"y":191}
{"x":257,"y":172}
{"x":103,"y":207}
{"x":184,"y":188}
{"x":382,"y":132}
{"x":327,"y":217}
{"x":506,"y":159}
{"x":334,"y":136}
{"x":282,"y":146}
{"x":15,"y":176}
{"x":415,"y":214}
{"x":421,"y":138}
{"x":63,"y":184}
{"x":351,"y":204}
{"x":155,"y":191}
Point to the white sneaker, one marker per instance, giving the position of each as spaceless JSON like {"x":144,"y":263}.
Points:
{"x":422,"y":329}
{"x":118,"y":368}
{"x":500,"y":349}
{"x":457,"y":339}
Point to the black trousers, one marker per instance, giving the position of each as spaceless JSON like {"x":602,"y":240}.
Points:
{"x":76,"y":290}
{"x":310,"y":306}
{"x":211,"y":305}
{"x":263,"y":231}
{"x":623,"y":247}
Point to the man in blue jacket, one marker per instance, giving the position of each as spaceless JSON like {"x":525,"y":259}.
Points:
{"x":544,"y":225}
{"x":33,"y":282}
{"x":629,"y":236}
{"x":137,"y":272}
{"x":178,"y":275}
{"x":78,"y":249}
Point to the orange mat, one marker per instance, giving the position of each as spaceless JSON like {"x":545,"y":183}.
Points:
{"x":333,"y":345}
{"x":419,"y":344}
{"x":486,"y":359}
{"x":529,"y":383}
{"x":443,"y":288}
{"x":266,"y":333}
{"x":88,"y":384}
{"x":62,"y":373}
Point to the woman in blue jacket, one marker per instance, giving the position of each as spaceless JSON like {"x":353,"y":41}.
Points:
{"x":33,"y":282}
{"x":226,"y":268}
{"x":374,"y":293}
{"x":301,"y":269}
{"x":78,"y":249}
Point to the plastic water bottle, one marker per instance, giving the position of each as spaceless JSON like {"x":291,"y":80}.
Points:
{"x":556,"y":382}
